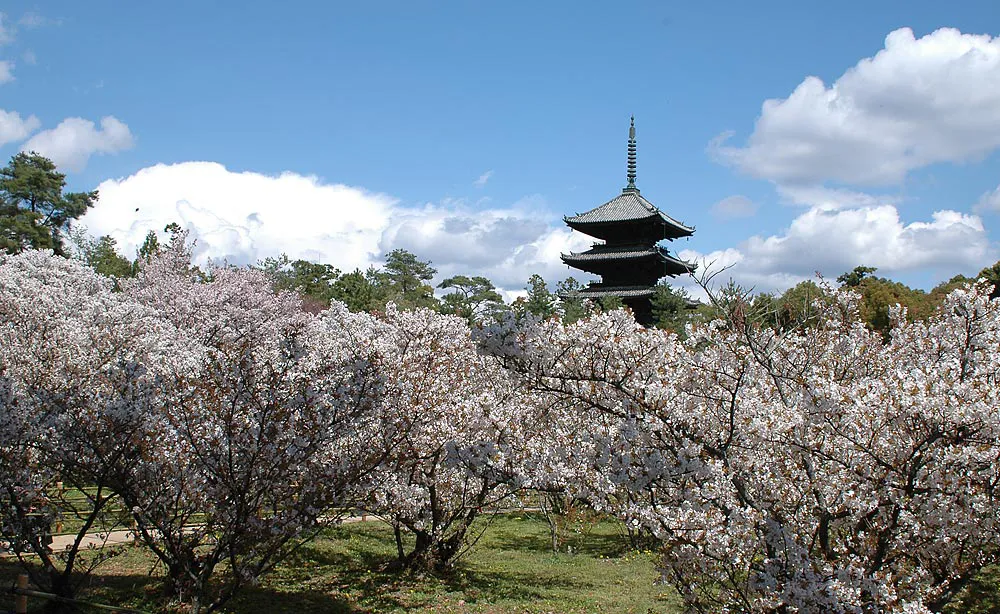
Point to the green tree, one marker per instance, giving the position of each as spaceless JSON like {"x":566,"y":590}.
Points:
{"x":539,"y":301}
{"x":403,"y":277}
{"x":942,"y":290}
{"x":765,"y":309}
{"x":100,"y":254}
{"x":992,"y":276}
{"x":149,"y":248}
{"x":34,"y":211}
{"x":104,"y":258}
{"x":740,"y":307}
{"x":572,"y":307}
{"x":853,"y":279}
{"x":277,"y":268}
{"x":605,"y":304}
{"x":151,"y":244}
{"x":473,"y":298}
{"x":671,"y":308}
{"x":313,"y":281}
{"x":878,"y":295}
{"x":405,"y":272}
{"x":795,"y":308}
{"x":21,"y":229}
{"x":360,"y":291}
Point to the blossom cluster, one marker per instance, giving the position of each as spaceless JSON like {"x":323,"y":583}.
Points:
{"x":225,"y":420}
{"x":229,"y":423}
{"x":826,"y":468}
{"x":450,"y":422}
{"x":822,"y":469}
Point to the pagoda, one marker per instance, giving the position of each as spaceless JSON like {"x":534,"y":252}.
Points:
{"x":628,"y":257}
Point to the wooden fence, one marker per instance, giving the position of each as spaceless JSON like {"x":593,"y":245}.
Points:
{"x":22,"y":591}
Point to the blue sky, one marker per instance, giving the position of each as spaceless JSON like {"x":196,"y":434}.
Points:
{"x":465,"y":131}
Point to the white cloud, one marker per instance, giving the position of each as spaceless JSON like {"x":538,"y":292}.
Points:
{"x":32,"y":20}
{"x":988,"y":202}
{"x":832,"y":241}
{"x":733,"y":207}
{"x":6,"y":71}
{"x":6,"y":33}
{"x":916,"y":102}
{"x":506,"y":245}
{"x":481,"y":181}
{"x":245,"y":217}
{"x":830,"y":198}
{"x":15,"y":128}
{"x":74,"y":140}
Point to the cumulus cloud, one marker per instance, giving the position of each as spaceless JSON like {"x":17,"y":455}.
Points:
{"x":481,"y":181}
{"x":15,"y":128}
{"x":988,"y":202}
{"x":831,"y":241}
{"x":243,"y":217}
{"x":733,"y":207}
{"x":506,"y":245}
{"x":74,"y":140}
{"x":916,"y":102}
{"x":6,"y":71}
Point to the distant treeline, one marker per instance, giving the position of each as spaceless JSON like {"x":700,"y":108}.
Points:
{"x":36,"y":213}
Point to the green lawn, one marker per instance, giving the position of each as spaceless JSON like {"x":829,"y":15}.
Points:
{"x":511,"y":569}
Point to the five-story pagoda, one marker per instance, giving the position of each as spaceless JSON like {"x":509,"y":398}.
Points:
{"x":629,"y":259}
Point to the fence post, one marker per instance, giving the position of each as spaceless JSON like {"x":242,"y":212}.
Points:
{"x":21,"y":601}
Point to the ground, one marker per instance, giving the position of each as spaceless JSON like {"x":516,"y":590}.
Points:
{"x":511,"y":569}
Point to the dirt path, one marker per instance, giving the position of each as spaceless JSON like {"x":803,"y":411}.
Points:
{"x":124,"y":536}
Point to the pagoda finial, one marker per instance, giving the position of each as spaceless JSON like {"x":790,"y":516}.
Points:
{"x":631,"y":155}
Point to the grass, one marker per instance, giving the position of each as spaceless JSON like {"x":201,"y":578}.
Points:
{"x":982,"y":596}
{"x":510,"y":570}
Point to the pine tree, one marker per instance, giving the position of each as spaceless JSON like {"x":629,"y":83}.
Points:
{"x":34,"y":212}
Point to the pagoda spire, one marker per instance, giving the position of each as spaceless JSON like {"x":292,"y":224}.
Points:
{"x":631,"y":156}
{"x":627,"y":256}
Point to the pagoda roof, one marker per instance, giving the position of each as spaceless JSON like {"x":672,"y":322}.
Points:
{"x":603,"y":252}
{"x":599,"y":291}
{"x":628,"y":206}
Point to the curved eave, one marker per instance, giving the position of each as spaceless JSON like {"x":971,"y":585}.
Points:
{"x":682,"y":266}
{"x":587,"y":260}
{"x":624,"y":292}
{"x":587,"y":257}
{"x":676,"y":229}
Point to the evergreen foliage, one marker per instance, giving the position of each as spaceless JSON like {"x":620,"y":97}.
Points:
{"x":34,"y":211}
{"x":571,"y":308}
{"x":672,"y":308}
{"x":540,"y":301}
{"x":472,"y":298}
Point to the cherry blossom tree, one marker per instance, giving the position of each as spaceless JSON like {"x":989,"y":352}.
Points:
{"x":818,"y":469}
{"x":450,"y":426}
{"x":216,"y":412}
{"x":73,"y":394}
{"x":257,"y":433}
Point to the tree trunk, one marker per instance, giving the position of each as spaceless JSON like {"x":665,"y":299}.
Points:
{"x":61,"y":586}
{"x":398,"y":533}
